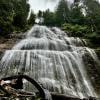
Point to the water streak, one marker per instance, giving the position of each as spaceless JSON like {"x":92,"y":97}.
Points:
{"x":53,"y":59}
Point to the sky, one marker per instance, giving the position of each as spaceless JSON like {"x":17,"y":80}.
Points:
{"x":37,"y":5}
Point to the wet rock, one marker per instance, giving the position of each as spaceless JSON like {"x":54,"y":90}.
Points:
{"x":93,"y":71}
{"x":63,"y":97}
{"x":98,"y":53}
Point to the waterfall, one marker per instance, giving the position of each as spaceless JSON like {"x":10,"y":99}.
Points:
{"x":52,"y":58}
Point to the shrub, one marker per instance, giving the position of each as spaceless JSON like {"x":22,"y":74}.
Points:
{"x":75,"y":30}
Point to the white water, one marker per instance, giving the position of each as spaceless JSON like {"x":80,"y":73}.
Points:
{"x":52,"y":58}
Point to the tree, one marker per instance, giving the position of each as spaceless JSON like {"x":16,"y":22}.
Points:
{"x":13,"y":15}
{"x":31,"y":19}
{"x":62,"y":13}
{"x":21,"y":8}
{"x":49,"y":18}
{"x":40,"y":14}
{"x":92,"y":14}
{"x":76,"y":14}
{"x":6,"y":16}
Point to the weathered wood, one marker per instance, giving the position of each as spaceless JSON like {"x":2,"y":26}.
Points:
{"x":41,"y":90}
{"x":55,"y":96}
{"x":5,"y":91}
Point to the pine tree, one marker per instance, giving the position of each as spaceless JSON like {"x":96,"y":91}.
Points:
{"x":92,"y":14}
{"x":76,"y":13}
{"x":21,"y":8}
{"x":49,"y":18}
{"x":13,"y":15}
{"x":6,"y":16}
{"x":31,"y":20}
{"x":62,"y":13}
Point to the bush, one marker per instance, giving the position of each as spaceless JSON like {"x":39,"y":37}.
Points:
{"x":75,"y":30}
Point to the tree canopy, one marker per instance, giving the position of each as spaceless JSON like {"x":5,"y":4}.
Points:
{"x":13,"y":15}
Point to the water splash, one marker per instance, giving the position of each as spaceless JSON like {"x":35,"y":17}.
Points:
{"x":52,"y":58}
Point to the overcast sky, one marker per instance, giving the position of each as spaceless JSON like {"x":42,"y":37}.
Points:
{"x":43,"y":4}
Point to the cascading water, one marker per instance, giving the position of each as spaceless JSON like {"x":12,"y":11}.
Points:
{"x":53,"y":59}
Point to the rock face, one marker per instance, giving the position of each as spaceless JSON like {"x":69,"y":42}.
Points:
{"x":93,"y":69}
{"x":63,"y":97}
{"x":97,"y":82}
{"x":6,"y":43}
{"x":98,"y":53}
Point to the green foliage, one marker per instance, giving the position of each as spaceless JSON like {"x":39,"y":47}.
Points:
{"x":21,"y":8}
{"x":94,"y":38}
{"x":13,"y":15}
{"x":49,"y":18}
{"x":83,"y":19}
{"x":92,"y":14}
{"x":75,"y":30}
{"x":93,"y":20}
{"x":62,"y":13}
{"x":31,"y":20}
{"x":40,"y":14}
{"x":6,"y":16}
{"x":76,"y":15}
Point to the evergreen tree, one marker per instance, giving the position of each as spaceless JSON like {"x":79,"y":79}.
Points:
{"x":6,"y":16}
{"x":76,"y":14}
{"x":21,"y":8}
{"x":49,"y":18}
{"x":92,"y":14}
{"x":62,"y":13}
{"x":40,"y":14}
{"x":31,"y":20}
{"x":13,"y":15}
